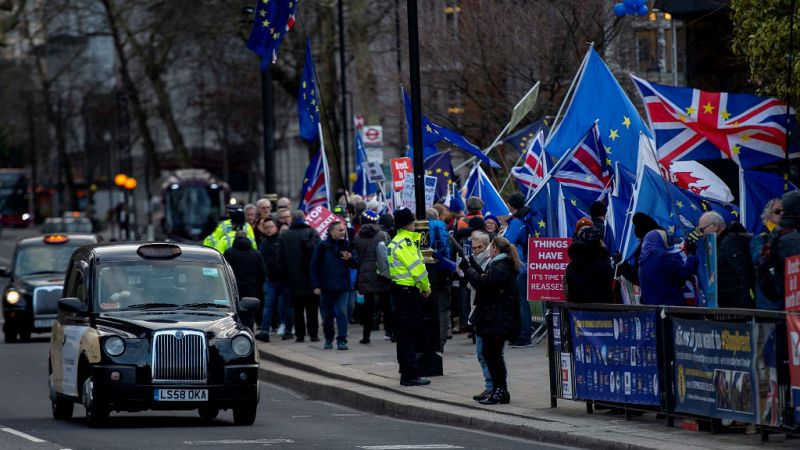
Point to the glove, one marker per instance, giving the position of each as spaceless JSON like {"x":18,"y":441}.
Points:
{"x":694,"y":236}
{"x":463,"y":264}
{"x":475,"y":265}
{"x":617,"y":258}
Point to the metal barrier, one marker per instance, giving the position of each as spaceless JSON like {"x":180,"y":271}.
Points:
{"x":705,"y":364}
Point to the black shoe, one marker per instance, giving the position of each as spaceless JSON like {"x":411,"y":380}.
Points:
{"x":300,"y":339}
{"x":364,"y":341}
{"x":263,"y":337}
{"x":287,"y":337}
{"x":314,"y":339}
{"x":483,"y":395}
{"x":416,"y":382}
{"x":500,"y":395}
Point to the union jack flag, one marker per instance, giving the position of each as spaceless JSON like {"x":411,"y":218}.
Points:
{"x":690,"y":124}
{"x":315,"y":184}
{"x":532,"y":172}
{"x":586,"y":166}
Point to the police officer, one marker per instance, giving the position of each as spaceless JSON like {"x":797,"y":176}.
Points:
{"x":222,"y":237}
{"x":409,"y":285}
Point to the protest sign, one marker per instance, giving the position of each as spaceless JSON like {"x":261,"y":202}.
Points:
{"x":400,"y":168}
{"x":320,"y":218}
{"x":615,"y":356}
{"x":430,"y":191}
{"x":792,"y":283}
{"x":547,"y":264}
{"x":793,"y":333}
{"x":408,"y":198}
{"x":374,"y":171}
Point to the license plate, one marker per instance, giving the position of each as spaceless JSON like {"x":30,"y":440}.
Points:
{"x":180,"y":395}
{"x":43,"y":323}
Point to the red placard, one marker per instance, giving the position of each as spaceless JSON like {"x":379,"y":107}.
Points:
{"x":320,"y":218}
{"x":400,"y":167}
{"x":793,"y":334}
{"x":792,"y":283}
{"x":547,"y":264}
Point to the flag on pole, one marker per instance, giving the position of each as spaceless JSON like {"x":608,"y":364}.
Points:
{"x":362,"y":186}
{"x":619,"y":203}
{"x":699,"y":179}
{"x":690,"y":124}
{"x":617,"y":119}
{"x":756,"y":189}
{"x":432,"y":133}
{"x":315,"y":189}
{"x":586,"y":168}
{"x":570,"y":211}
{"x":521,"y":138}
{"x":478,"y":185}
{"x":308,"y":101}
{"x":273,"y":19}
{"x":534,"y":166}
{"x":440,"y":166}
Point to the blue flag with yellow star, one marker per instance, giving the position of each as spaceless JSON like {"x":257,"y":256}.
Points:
{"x":478,"y":185}
{"x":759,"y":188}
{"x":362,"y":186}
{"x":432,"y":133}
{"x":521,"y":138}
{"x":440,"y":166}
{"x":308,"y":101}
{"x":273,"y":19}
{"x":617,"y":118}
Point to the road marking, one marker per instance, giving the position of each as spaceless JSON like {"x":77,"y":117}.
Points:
{"x":403,"y":447}
{"x":22,"y":435}
{"x":347,"y":415}
{"x":302,"y":416}
{"x":241,"y":441}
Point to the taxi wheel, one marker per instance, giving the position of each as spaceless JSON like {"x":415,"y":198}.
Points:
{"x":96,"y":414}
{"x":245,"y":414}
{"x":62,"y":409}
{"x":208,"y":412}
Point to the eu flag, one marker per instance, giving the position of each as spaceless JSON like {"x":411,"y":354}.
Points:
{"x":521,"y":138}
{"x":439,"y":166}
{"x":273,"y":19}
{"x":308,"y":101}
{"x":758,"y":188}
{"x":432,"y":133}
{"x":362,"y":186}
{"x":478,"y":185}
{"x":618,"y":121}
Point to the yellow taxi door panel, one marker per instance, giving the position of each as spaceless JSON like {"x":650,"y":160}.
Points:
{"x":70,"y":356}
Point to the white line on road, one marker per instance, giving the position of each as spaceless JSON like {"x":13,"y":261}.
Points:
{"x":301,"y":416}
{"x":22,"y":435}
{"x":347,"y":415}
{"x":241,"y":441}
{"x":403,"y":447}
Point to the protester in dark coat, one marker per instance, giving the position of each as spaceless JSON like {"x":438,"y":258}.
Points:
{"x":589,"y":275}
{"x":372,"y":286}
{"x":276,"y":291}
{"x":642,"y":224}
{"x":496,"y":317}
{"x":663,"y":272}
{"x":770,"y":217}
{"x":788,"y":241}
{"x":248,"y":267}
{"x":735,"y":270}
{"x":297,"y":244}
{"x":598,"y":211}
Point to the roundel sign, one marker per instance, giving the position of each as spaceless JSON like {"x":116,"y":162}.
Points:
{"x":373,"y":135}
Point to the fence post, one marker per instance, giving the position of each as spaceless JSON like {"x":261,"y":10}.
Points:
{"x":551,"y":355}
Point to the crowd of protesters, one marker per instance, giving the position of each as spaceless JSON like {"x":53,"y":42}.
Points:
{"x":369,"y":269}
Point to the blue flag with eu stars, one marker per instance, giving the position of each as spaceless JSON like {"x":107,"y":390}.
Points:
{"x":759,"y":188}
{"x":618,"y":121}
{"x":521,"y":138}
{"x":273,"y":19}
{"x":478,"y":185}
{"x":432,"y":133}
{"x":308,"y":101}
{"x":439,"y":165}
{"x":362,"y":186}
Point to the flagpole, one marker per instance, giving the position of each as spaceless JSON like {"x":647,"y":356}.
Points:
{"x":578,"y":75}
{"x":789,"y":99}
{"x":512,"y":168}
{"x":742,"y":198}
{"x":325,"y":164}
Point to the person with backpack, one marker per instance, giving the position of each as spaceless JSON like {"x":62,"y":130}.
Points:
{"x":517,"y":232}
{"x":783,"y":243}
{"x":371,"y":284}
{"x":770,"y":217}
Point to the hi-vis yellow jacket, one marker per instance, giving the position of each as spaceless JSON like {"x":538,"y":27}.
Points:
{"x":405,"y":261}
{"x":222,"y":237}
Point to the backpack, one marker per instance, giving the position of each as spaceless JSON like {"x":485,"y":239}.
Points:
{"x":382,"y":260}
{"x":769,"y":273}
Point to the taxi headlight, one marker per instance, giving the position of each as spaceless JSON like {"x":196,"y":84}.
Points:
{"x":114,"y":346}
{"x":242,"y":345}
{"x":12,"y":297}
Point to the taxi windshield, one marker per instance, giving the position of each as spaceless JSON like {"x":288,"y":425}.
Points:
{"x":43,"y":259}
{"x":161,"y":285}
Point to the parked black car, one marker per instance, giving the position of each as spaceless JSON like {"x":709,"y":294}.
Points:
{"x":36,"y":277}
{"x":152,"y":326}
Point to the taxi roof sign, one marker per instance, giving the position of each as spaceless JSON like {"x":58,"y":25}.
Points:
{"x":159,"y":251}
{"x":55,"y":239}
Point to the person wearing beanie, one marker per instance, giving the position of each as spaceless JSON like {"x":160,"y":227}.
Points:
{"x":589,"y":274}
{"x":386,"y":222}
{"x":598,"y":211}
{"x":492,"y":225}
{"x":583,"y":222}
{"x":474,"y":207}
{"x":518,"y":230}
{"x":373,"y":287}
{"x":642,"y":224}
{"x":410,"y":286}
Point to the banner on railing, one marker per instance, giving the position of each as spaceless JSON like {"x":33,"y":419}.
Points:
{"x":715,"y":369}
{"x":793,"y":332}
{"x":615,"y":356}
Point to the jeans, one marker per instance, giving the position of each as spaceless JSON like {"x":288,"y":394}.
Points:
{"x":526,"y":324}
{"x":487,"y":377}
{"x":493,"y":355}
{"x":333,"y":304}
{"x":276,"y":295}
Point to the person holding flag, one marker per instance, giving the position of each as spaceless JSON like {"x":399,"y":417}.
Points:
{"x":517,"y":232}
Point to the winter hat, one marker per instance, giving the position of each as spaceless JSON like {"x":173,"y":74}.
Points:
{"x":474,"y":204}
{"x":589,"y":235}
{"x":642,"y":223}
{"x":516,"y":200}
{"x":403,"y":217}
{"x":386,"y":221}
{"x":791,"y":204}
{"x":493,"y":218}
{"x":582,"y":223}
{"x":598,"y":209}
{"x":369,"y":216}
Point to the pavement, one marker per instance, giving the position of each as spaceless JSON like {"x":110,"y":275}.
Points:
{"x":366,"y":377}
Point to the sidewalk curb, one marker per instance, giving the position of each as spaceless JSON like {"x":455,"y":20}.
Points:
{"x":360,"y":392}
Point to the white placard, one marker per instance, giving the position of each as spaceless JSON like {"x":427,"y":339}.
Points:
{"x":373,"y":171}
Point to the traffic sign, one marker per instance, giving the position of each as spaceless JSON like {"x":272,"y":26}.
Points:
{"x":373,"y":135}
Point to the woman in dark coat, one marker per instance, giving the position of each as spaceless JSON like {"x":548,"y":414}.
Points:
{"x":663,"y":272}
{"x":496,"y":317}
{"x":372,"y":286}
{"x":589,"y":275}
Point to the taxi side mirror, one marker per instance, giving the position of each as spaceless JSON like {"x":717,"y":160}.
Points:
{"x":249,"y":304}
{"x":70,"y":304}
{"x":4,"y":272}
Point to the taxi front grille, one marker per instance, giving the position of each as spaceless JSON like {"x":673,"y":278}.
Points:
{"x":45,"y":300}
{"x":179,"y":356}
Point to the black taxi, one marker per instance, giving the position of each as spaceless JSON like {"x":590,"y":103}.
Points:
{"x":30,"y":299}
{"x":152,"y":326}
